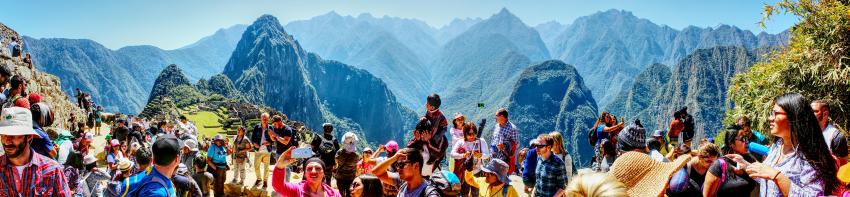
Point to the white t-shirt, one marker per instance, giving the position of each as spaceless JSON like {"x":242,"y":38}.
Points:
{"x":20,"y":170}
{"x":828,"y":132}
{"x":64,"y":149}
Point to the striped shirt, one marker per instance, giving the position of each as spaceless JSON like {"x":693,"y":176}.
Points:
{"x":41,"y":177}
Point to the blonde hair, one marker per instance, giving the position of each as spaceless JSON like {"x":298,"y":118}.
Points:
{"x":558,"y":146}
{"x":595,"y":185}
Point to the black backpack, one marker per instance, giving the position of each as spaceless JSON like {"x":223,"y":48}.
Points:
{"x":327,"y":145}
{"x":591,"y":136}
{"x":440,"y":184}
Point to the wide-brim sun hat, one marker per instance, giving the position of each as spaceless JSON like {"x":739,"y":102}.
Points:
{"x":644,"y":176}
{"x":89,"y":159}
{"x":498,"y":168}
{"x":124,"y":164}
{"x":16,"y":121}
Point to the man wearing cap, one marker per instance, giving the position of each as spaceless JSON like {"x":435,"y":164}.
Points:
{"x":157,"y":182}
{"x":262,"y":144}
{"x":190,"y":151}
{"x":551,"y":173}
{"x":23,"y":171}
{"x":217,"y":163}
{"x":495,"y":179}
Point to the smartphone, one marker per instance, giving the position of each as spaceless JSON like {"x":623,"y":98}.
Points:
{"x":300,"y":153}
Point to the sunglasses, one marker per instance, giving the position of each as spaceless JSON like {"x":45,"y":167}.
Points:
{"x":367,"y":152}
{"x":401,"y":164}
{"x":743,"y":139}
{"x":541,"y":145}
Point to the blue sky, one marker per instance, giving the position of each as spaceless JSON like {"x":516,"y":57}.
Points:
{"x":173,"y":24}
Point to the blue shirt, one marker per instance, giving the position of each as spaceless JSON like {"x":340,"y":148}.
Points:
{"x":218,"y":154}
{"x":155,"y":189}
{"x":42,"y":145}
{"x":529,"y":166}
{"x":600,"y":134}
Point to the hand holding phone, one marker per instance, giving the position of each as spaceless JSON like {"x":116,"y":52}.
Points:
{"x":300,"y":153}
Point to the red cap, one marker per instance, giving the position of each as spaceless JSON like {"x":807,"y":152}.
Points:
{"x":35,"y":97}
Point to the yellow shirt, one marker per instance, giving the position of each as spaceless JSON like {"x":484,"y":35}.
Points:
{"x":477,"y":182}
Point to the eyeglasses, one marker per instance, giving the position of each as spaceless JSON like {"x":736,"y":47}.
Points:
{"x":773,"y":113}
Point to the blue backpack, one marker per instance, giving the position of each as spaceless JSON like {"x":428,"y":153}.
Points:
{"x":133,"y":184}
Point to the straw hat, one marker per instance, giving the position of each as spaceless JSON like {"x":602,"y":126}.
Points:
{"x":124,"y":164}
{"x":643,"y":175}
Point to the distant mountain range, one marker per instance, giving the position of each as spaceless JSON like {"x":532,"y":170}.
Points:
{"x":120,"y":80}
{"x":610,"y":48}
{"x":371,"y":74}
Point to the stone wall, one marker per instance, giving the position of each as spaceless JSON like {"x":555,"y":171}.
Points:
{"x":47,"y":85}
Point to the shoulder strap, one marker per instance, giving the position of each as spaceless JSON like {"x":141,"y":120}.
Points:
{"x":723,"y":170}
{"x":505,"y":190}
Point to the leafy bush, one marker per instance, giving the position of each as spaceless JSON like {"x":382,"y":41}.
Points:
{"x":816,"y":63}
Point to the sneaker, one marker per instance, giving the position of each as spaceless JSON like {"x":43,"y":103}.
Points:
{"x":264,"y":185}
{"x":240,"y":182}
{"x":257,"y":184}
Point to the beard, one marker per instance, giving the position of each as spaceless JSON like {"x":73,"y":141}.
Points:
{"x":16,"y":149}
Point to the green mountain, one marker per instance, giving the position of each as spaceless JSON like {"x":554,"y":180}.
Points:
{"x":551,"y":96}
{"x":700,"y":82}
{"x":272,"y":69}
{"x":640,"y":93}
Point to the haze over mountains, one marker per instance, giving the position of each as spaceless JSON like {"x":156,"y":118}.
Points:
{"x":372,"y":74}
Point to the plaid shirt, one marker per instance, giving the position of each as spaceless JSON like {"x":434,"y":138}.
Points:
{"x":41,"y":177}
{"x":551,"y":175}
{"x":506,"y":134}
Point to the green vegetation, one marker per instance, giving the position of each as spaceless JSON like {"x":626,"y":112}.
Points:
{"x":207,"y":123}
{"x":816,"y":63}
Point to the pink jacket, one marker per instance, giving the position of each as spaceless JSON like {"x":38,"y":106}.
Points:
{"x":295,"y":189}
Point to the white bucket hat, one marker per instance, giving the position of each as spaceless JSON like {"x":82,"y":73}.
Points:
{"x":16,"y":121}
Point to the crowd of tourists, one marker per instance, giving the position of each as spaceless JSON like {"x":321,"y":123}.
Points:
{"x":803,"y":154}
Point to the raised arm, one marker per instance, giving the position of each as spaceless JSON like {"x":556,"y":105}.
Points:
{"x":380,"y":170}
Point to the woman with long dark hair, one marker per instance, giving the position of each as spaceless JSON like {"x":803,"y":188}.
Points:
{"x":367,"y":185}
{"x":723,"y":178}
{"x":799,"y":162}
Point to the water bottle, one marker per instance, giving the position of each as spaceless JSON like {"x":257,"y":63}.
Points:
{"x":757,"y":148}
